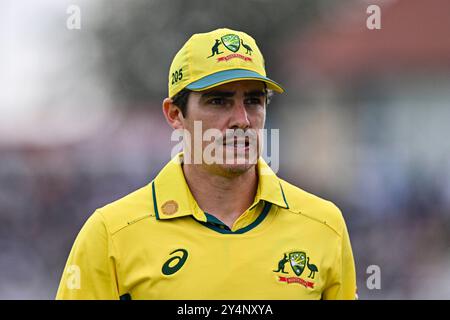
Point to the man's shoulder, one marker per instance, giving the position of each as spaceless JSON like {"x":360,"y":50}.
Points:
{"x":313,"y":207}
{"x":133,"y":207}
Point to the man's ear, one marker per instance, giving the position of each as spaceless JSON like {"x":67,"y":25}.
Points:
{"x":173,"y":114}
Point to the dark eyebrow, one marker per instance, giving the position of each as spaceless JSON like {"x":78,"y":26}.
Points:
{"x":255,"y":93}
{"x":222,"y":94}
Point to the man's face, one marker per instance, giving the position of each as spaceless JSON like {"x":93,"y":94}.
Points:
{"x":228,"y":108}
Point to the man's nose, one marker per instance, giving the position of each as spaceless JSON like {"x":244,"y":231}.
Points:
{"x":239,"y":117}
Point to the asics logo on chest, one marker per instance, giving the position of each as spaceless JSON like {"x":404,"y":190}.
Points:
{"x":169,"y":268}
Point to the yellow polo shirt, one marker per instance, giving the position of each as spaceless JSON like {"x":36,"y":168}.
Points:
{"x":156,"y":243}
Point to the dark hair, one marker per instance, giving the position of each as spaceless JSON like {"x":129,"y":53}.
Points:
{"x":182,"y":97}
{"x":181,"y":100}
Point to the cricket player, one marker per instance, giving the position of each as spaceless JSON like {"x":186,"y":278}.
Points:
{"x":214,"y":224}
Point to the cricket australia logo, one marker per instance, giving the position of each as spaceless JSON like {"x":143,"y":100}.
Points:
{"x":298,"y":260}
{"x":233,"y":43}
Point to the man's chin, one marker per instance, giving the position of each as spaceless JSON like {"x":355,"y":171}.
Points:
{"x":235,"y":169}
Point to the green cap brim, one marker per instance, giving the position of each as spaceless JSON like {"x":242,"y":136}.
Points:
{"x":226,"y":76}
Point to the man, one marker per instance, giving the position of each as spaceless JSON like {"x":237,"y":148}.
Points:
{"x":224,"y":229}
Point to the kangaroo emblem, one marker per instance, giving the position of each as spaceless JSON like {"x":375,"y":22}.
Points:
{"x":282,"y":263}
{"x":246,"y":46}
{"x":215,"y":48}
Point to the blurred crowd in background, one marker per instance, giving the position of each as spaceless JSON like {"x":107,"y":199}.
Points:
{"x":364,"y":122}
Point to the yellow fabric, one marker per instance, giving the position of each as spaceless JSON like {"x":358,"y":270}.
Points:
{"x":124,"y":247}
{"x":197,"y":59}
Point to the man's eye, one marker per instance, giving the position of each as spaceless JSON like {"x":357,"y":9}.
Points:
{"x":253,"y":101}
{"x":216,"y":101}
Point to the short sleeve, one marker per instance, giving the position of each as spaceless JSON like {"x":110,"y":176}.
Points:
{"x":90,"y":271}
{"x":343,"y":286}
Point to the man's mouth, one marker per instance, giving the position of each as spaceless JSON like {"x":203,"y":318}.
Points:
{"x":235,"y":142}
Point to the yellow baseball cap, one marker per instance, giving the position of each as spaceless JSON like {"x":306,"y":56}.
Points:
{"x":210,"y":59}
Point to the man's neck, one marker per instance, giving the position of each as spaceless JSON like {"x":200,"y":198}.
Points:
{"x":224,"y":197}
